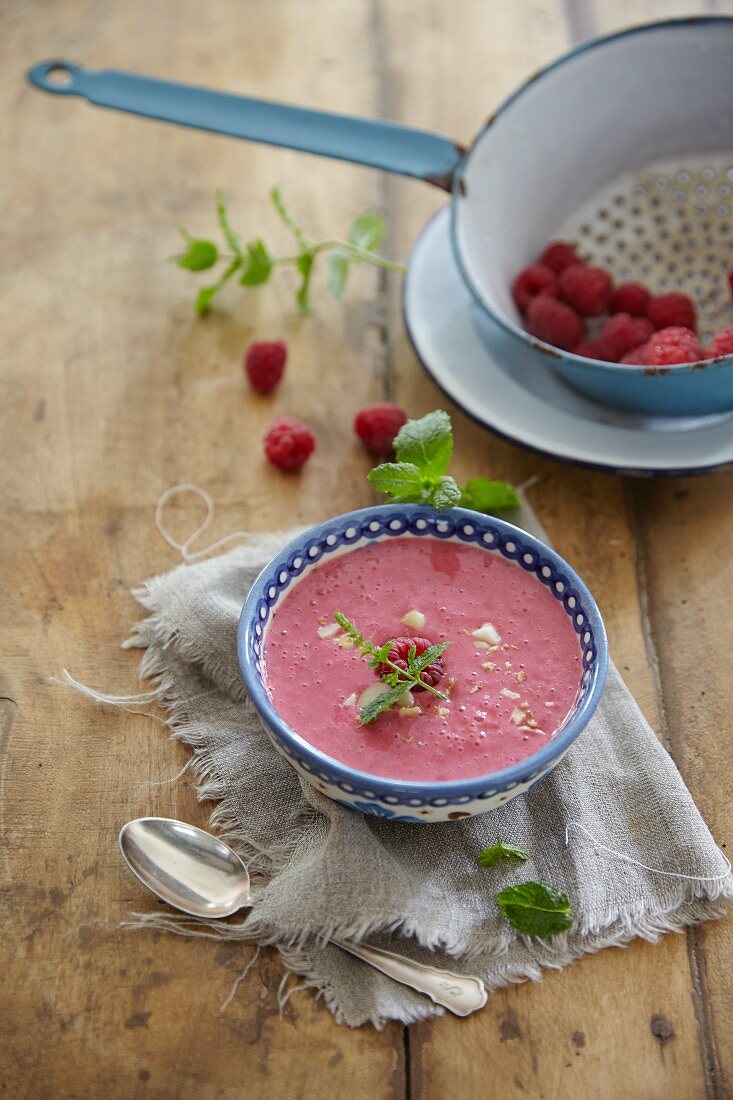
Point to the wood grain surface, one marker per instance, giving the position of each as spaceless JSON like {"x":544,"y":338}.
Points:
{"x":112,"y":391}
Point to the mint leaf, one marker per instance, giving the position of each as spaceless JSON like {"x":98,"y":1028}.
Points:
{"x":483,"y":495}
{"x":199,"y":255}
{"x":381,"y":703}
{"x":446,"y":493}
{"x":397,"y":479}
{"x":337,"y":271}
{"x":288,"y":220}
{"x":229,"y":235}
{"x":367,"y":231}
{"x":499,"y":850}
{"x":304,"y":265}
{"x":257,"y":264}
{"x":535,"y":908}
{"x":427,"y":442}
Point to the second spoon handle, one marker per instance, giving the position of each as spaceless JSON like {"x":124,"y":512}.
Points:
{"x":459,"y":993}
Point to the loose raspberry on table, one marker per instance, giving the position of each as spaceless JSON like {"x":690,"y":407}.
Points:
{"x":377,"y":425}
{"x":264,"y":364}
{"x":288,"y":443}
{"x":672,"y":345}
{"x":586,"y":289}
{"x":618,"y":336}
{"x":635,"y":356}
{"x":534,"y":280}
{"x":672,"y":311}
{"x":631,"y":298}
{"x":554,"y":322}
{"x":721,"y":344}
{"x":399,"y":654}
{"x":558,"y":255}
{"x":590,"y":349}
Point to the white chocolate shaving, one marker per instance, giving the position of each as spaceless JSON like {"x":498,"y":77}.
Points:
{"x":509,"y":694}
{"x":328,"y":631}
{"x":487,"y":633}
{"x":345,"y":642}
{"x":517,"y":717}
{"x":351,"y":701}
{"x":414,"y":619}
{"x":371,"y":693}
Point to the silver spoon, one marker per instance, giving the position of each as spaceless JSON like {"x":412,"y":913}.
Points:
{"x":201,"y":875}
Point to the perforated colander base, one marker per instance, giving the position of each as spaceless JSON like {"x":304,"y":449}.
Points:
{"x":669,"y":226}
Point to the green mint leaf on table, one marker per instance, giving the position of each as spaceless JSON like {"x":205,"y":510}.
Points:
{"x":305,"y":267}
{"x":337,"y":270}
{"x":288,"y":220}
{"x":206,"y":293}
{"x":483,"y":495}
{"x":536,"y":909}
{"x":499,"y":850}
{"x":367,"y":232}
{"x":229,"y":235}
{"x":427,"y":442}
{"x":200,"y":255}
{"x":257,"y":264}
{"x":446,"y":493}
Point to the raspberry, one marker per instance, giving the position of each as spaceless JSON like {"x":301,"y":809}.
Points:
{"x":618,"y":336}
{"x":534,"y":280}
{"x":636,"y":355}
{"x":559,"y":255}
{"x":377,"y":425}
{"x":554,"y":322}
{"x":586,"y":289}
{"x":288,"y":443}
{"x":643,"y":329}
{"x":730,"y":281}
{"x":399,"y":653}
{"x":721,"y":344}
{"x":671,"y":311}
{"x":590,"y":349}
{"x":631,"y":298}
{"x":671,"y":345}
{"x":264,"y":364}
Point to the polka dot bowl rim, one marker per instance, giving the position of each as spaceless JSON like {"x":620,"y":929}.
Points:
{"x":366,"y":525}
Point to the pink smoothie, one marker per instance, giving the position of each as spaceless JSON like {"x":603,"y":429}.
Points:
{"x":506,"y":699}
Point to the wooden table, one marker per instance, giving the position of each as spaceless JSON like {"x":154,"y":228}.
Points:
{"x":113,"y":390}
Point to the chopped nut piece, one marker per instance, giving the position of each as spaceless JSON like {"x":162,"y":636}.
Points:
{"x":483,"y":645}
{"x":450,"y":683}
{"x":351,"y":701}
{"x":490,"y":666}
{"x":517,"y":717}
{"x":509,"y":694}
{"x":345,"y":642}
{"x":442,"y":712}
{"x":329,"y":630}
{"x":475,"y":688}
{"x":407,"y":700}
{"x":487,"y":633}
{"x":409,"y":712}
{"x":414,"y":619}
{"x":408,"y":740}
{"x":533,"y":725}
{"x":520,"y":677}
{"x":548,"y":705}
{"x":507,"y":664}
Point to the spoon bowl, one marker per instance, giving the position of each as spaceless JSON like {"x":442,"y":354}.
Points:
{"x":185,"y":866}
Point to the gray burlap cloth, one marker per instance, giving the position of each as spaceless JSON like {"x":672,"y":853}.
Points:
{"x":322,"y":870}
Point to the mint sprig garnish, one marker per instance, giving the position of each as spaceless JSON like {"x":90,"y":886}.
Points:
{"x":423,"y":450}
{"x":397,"y":679}
{"x":499,"y":850}
{"x":536,"y":908}
{"x":254,"y":264}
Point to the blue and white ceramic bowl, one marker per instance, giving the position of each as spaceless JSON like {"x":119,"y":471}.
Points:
{"x":392,"y":798}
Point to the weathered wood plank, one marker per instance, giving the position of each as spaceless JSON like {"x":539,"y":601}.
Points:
{"x":111,"y":392}
{"x":612,"y":1010}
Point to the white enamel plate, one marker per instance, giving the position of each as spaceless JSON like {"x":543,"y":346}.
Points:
{"x":462,"y":350}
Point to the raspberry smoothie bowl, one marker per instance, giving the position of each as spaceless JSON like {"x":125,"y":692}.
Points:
{"x":421,"y":665}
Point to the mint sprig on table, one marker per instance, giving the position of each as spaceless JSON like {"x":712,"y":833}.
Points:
{"x":253,"y":263}
{"x":534,"y":908}
{"x":423,"y":450}
{"x":398,"y":680}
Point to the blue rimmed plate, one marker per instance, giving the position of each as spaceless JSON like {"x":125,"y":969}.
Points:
{"x":463,"y":351}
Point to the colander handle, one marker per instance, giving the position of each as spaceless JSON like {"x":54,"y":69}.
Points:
{"x":386,"y":145}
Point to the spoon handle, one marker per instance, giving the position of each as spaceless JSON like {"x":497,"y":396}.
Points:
{"x":459,"y":993}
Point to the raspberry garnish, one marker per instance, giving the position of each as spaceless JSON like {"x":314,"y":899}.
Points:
{"x":377,"y":425}
{"x":672,"y":345}
{"x":288,"y":443}
{"x":399,"y":653}
{"x":671,"y":311}
{"x":586,"y":289}
{"x":534,"y":280}
{"x":554,"y":322}
{"x":631,"y":298}
{"x":264,"y":364}
{"x":721,"y":344}
{"x":558,"y":255}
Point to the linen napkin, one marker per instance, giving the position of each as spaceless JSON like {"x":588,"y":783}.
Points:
{"x":321,"y":870}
